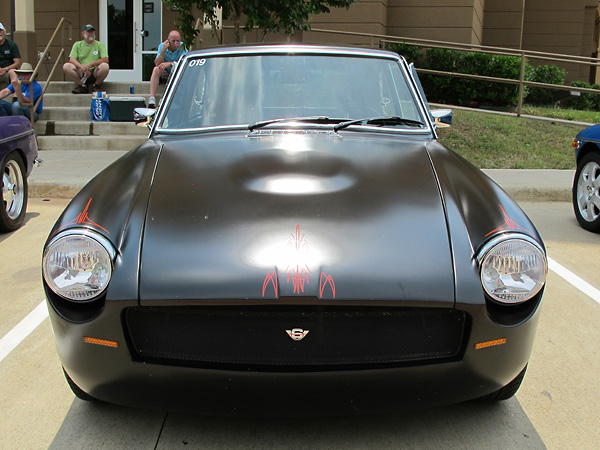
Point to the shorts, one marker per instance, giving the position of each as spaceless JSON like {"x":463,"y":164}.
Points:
{"x":91,"y":79}
{"x":164,"y":76}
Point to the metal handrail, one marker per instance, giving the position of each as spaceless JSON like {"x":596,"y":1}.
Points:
{"x":60,"y":26}
{"x":523,"y":54}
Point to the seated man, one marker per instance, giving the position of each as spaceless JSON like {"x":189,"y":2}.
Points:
{"x":10,"y":57}
{"x":168,"y":53}
{"x":20,"y":87}
{"x":88,"y":62}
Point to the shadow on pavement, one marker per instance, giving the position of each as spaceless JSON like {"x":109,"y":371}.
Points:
{"x":466,"y":426}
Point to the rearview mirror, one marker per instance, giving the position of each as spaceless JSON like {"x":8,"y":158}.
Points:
{"x":442,"y":117}
{"x":143,"y":116}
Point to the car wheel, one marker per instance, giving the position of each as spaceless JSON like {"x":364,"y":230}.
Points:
{"x":77,"y":390}
{"x":14,"y":193}
{"x":507,"y":391}
{"x":586,"y":196}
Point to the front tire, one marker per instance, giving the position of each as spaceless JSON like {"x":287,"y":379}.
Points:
{"x":79,"y":393}
{"x":586,"y":192}
{"x":506,"y":392}
{"x":13,"y":205}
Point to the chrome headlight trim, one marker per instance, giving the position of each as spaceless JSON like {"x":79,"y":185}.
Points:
{"x":72,"y":281}
{"x":529,"y":285}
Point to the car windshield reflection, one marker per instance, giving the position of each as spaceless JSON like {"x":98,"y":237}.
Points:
{"x":224,"y":91}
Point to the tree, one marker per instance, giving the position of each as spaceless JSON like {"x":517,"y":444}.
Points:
{"x":271,"y":16}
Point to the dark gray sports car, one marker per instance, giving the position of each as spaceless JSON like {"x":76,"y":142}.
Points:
{"x":292,"y":239}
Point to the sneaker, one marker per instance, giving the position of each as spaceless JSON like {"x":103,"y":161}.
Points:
{"x":80,"y":90}
{"x":152,"y":103}
{"x":95,"y":88}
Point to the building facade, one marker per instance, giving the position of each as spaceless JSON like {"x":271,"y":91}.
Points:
{"x":132,"y":29}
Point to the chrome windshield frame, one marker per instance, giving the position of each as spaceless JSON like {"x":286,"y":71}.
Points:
{"x":294,"y":49}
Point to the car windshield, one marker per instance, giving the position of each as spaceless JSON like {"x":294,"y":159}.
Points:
{"x":241,"y":90}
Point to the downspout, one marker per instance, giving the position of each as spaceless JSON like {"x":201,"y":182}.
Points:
{"x":12,"y":20}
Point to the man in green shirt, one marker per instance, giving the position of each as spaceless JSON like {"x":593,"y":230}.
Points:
{"x":88,"y":62}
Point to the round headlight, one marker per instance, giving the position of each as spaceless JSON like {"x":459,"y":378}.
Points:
{"x":513,"y":268}
{"x":78,"y":266}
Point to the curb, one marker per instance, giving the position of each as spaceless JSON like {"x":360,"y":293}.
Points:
{"x":53,"y":190}
{"x":537,"y":195}
{"x":529,"y":185}
{"x":521,"y":185}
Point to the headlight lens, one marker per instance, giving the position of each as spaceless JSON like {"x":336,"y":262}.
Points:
{"x":78,"y":266}
{"x":513,"y":268}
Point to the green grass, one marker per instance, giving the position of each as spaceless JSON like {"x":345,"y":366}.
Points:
{"x":492,"y":141}
{"x":565,"y":114}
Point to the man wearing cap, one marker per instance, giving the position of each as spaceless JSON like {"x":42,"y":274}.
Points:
{"x":10,"y":57}
{"x":22,"y":85}
{"x":88,"y":62}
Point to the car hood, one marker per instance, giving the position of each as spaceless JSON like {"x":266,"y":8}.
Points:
{"x":235,"y":217}
{"x":591,"y":133}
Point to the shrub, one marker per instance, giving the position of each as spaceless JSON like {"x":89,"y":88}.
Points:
{"x":550,"y":74}
{"x":464,"y":91}
{"x":590,"y":102}
{"x":502,"y":66}
{"x":439,"y":88}
{"x":410,"y":52}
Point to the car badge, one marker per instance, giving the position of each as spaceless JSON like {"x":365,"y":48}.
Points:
{"x":297,"y":334}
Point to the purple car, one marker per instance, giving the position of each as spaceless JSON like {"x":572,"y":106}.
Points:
{"x":18,"y":154}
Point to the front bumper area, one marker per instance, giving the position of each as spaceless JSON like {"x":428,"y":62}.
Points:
{"x":111,"y":374}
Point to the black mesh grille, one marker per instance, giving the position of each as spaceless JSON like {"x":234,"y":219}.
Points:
{"x":338,"y":337}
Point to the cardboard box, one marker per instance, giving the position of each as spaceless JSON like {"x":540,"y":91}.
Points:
{"x":121,"y":108}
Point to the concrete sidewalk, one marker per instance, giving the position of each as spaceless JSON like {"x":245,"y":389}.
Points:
{"x":65,"y":172}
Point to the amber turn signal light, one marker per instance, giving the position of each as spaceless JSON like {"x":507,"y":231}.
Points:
{"x":104,"y":342}
{"x":487,"y":344}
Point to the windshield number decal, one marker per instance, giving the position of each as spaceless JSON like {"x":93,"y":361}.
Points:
{"x":197,"y":62}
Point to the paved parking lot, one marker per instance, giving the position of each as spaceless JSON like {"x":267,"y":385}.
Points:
{"x":556,"y":408}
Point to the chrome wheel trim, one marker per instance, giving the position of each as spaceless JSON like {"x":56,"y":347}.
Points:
{"x":13,"y":189}
{"x":588,"y":198}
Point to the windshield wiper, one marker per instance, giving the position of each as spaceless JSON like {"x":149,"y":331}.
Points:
{"x":308,"y":119}
{"x":379,"y":121}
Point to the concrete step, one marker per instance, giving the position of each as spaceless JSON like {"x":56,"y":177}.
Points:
{"x":65,"y":121}
{"x":67,"y":113}
{"x":111,"y":87}
{"x":80,"y":100}
{"x":120,"y":143}
{"x":88,"y":128}
{"x":70,"y":128}
{"x":78,"y":113}
{"x":120,"y":129}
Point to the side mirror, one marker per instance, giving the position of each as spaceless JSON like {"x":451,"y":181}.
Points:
{"x":144,"y":116}
{"x":442,"y":117}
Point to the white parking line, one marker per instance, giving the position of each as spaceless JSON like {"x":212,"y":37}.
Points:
{"x":23,"y":329}
{"x":15,"y":336}
{"x":573,"y":279}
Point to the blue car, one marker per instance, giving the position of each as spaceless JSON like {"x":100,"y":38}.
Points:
{"x":586,"y":184}
{"x":18,"y":154}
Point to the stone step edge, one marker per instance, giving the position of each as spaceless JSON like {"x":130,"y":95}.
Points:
{"x":46,"y":128}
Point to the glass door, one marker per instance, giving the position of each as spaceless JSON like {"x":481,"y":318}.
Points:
{"x":131,"y":31}
{"x":151,"y":35}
